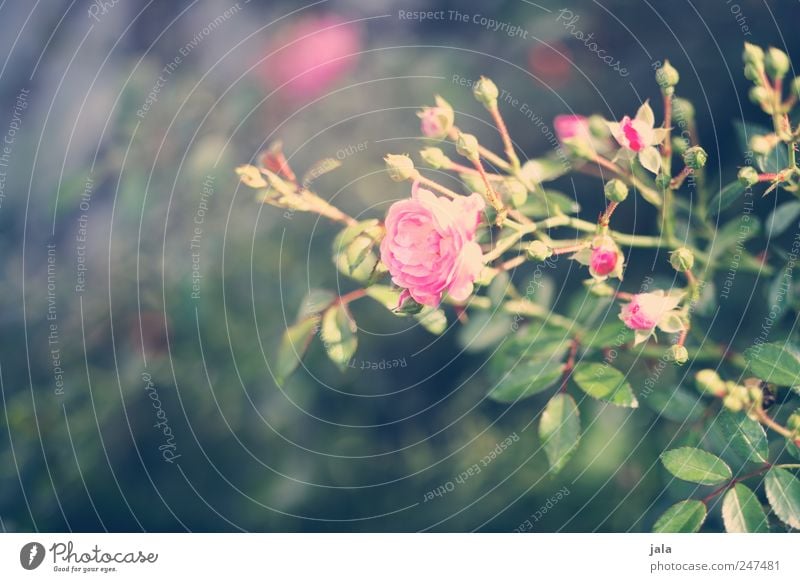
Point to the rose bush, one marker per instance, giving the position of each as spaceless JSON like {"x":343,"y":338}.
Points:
{"x":440,"y":248}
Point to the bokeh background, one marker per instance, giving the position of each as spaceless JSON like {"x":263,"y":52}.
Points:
{"x":123,"y":122}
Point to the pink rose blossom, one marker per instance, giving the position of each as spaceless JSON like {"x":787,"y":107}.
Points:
{"x":646,"y":310}
{"x":311,"y":55}
{"x":430,"y":246}
{"x":571,"y":126}
{"x":639,"y":138}
{"x":604,"y":259}
{"x":631,"y":137}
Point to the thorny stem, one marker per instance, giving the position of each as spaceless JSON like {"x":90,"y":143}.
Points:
{"x":507,"y":144}
{"x":734,"y":481}
{"x":491,"y":195}
{"x":677,"y":181}
{"x":766,"y":420}
{"x":629,"y":178}
{"x":569,"y":366}
{"x":489,"y":155}
{"x":436,"y":186}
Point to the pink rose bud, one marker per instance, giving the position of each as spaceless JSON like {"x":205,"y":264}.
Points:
{"x":430,"y":246}
{"x":604,"y":259}
{"x":571,"y":127}
{"x":436,"y":121}
{"x":645,"y":310}
{"x":431,"y":123}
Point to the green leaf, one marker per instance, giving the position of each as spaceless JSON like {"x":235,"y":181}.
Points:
{"x":560,"y":430}
{"x":294,"y":344}
{"x":543,"y":170}
{"x":744,"y":435}
{"x":776,"y":363}
{"x":677,"y":405}
{"x":605,"y":383}
{"x":696,"y":466}
{"x":725,"y":197}
{"x":783,"y":492}
{"x":498,"y":288}
{"x":387,"y":296}
{"x":484,"y":330}
{"x":339,"y":335}
{"x":774,"y":161}
{"x":612,"y":333}
{"x":315,"y":301}
{"x":432,"y":319}
{"x":782,"y":217}
{"x":683,"y":517}
{"x":526,"y":379}
{"x":742,"y":512}
{"x":545,"y":203}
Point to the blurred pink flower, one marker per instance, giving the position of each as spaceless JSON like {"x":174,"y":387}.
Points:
{"x":571,"y":126}
{"x":430,"y":246}
{"x":311,"y":55}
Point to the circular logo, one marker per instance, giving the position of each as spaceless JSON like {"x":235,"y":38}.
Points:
{"x":31,"y":555}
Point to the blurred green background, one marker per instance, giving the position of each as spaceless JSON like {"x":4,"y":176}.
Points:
{"x":135,"y":115}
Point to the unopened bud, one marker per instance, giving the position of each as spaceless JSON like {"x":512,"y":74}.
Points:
{"x":616,"y":190}
{"x":467,"y":146}
{"x":793,"y":422}
{"x":435,"y":158}
{"x":759,"y":95}
{"x":681,"y":259}
{"x":708,"y":381}
{"x":486,"y":92}
{"x":400,"y":167}
{"x":678,"y":354}
{"x":667,"y":76}
{"x":251,"y":176}
{"x":796,"y":86}
{"x":538,"y":251}
{"x":679,"y":144}
{"x":732,"y":403}
{"x":695,"y":157}
{"x":748,"y":176}
{"x":663,"y":180}
{"x":753,"y":55}
{"x":777,"y":63}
